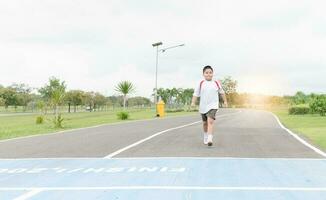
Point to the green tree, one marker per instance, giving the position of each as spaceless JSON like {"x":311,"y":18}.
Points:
{"x":277,"y":100}
{"x":88,"y":99}
{"x":184,"y":96}
{"x":2,"y":101}
{"x":180,"y":97}
{"x":10,"y":97}
{"x":74,"y":97}
{"x":173,"y":94}
{"x":125,"y":88}
{"x":40,"y":104}
{"x":164,"y":94}
{"x":114,"y":100}
{"x":54,"y":92}
{"x":230,"y":87}
{"x":139,"y":101}
{"x":318,"y":105}
{"x":187,"y":96}
{"x":23,"y":93}
{"x":99,"y":100}
{"x":300,"y":98}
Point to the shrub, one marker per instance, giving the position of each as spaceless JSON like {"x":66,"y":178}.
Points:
{"x":299,"y":110}
{"x":123,"y":115}
{"x":192,"y":110}
{"x":318,"y":105}
{"x":57,"y":121}
{"x":39,"y":120}
{"x":174,"y":110}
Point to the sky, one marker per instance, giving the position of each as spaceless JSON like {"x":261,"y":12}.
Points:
{"x":270,"y":47}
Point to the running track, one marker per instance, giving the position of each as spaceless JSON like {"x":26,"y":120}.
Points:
{"x":253,"y":157}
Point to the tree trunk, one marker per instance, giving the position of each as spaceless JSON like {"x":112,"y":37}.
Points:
{"x":56,"y":111}
{"x":124,"y":102}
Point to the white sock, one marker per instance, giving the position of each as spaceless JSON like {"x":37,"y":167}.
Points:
{"x":210,"y":137}
{"x":205,"y":134}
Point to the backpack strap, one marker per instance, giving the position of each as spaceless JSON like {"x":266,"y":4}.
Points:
{"x":200,"y":84}
{"x":218,"y":84}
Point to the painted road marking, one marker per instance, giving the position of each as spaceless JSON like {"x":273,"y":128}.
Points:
{"x":320,"y":152}
{"x":259,"y":173}
{"x":157,"y":134}
{"x":54,"y":178}
{"x":148,"y":138}
{"x":244,"y":188}
{"x":57,"y":170}
{"x":29,"y":194}
{"x":159,"y":158}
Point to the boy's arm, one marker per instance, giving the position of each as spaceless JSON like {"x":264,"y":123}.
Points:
{"x":193,"y":101}
{"x":225,"y":102}
{"x":223,"y":94}
{"x":195,"y":95}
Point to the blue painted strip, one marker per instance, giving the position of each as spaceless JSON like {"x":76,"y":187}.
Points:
{"x":162,"y":172}
{"x":4,"y":195}
{"x":177,"y":195}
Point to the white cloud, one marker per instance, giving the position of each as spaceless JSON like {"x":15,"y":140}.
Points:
{"x":94,"y":44}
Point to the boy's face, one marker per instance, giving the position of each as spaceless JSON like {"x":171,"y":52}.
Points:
{"x":208,"y":74}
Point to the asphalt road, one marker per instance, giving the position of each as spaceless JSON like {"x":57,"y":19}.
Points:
{"x":238,"y":133}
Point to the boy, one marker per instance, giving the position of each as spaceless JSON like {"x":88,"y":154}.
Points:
{"x":208,"y":90}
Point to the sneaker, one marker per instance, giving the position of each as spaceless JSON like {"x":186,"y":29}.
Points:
{"x":210,"y":140}
{"x":205,"y":138}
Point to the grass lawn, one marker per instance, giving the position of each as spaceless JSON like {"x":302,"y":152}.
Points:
{"x":311,"y":126}
{"x":23,"y":125}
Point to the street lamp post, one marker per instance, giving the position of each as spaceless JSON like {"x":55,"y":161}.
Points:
{"x":157,"y":50}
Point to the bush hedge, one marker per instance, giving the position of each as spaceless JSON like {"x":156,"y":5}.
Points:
{"x":299,"y":110}
{"x":39,"y":120}
{"x":318,"y":105}
{"x":123,"y":115}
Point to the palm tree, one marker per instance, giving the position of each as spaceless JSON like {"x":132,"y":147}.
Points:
{"x":163,"y":94}
{"x":125,"y":87}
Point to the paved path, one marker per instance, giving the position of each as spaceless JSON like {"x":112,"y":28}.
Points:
{"x":238,"y":133}
{"x":253,"y":157}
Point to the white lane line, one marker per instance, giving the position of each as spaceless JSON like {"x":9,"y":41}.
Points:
{"x":244,"y":188}
{"x":148,"y":138}
{"x":33,"y":192}
{"x":159,"y":158}
{"x":218,"y":158}
{"x":320,"y":152}
{"x":157,"y":134}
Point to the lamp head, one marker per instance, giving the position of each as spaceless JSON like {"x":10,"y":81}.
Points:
{"x":157,"y":44}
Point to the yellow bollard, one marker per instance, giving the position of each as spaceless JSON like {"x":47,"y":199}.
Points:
{"x":160,"y":108}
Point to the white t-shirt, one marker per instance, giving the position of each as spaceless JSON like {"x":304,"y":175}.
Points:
{"x":208,"y":93}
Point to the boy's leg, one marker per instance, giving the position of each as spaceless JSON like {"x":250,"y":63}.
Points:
{"x":210,"y":125}
{"x":210,"y":120}
{"x":205,"y":126}
{"x":204,"y":117}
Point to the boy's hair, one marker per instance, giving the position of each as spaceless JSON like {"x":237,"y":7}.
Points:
{"x":207,"y":67}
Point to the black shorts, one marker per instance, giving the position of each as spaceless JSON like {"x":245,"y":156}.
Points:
{"x":211,"y":113}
